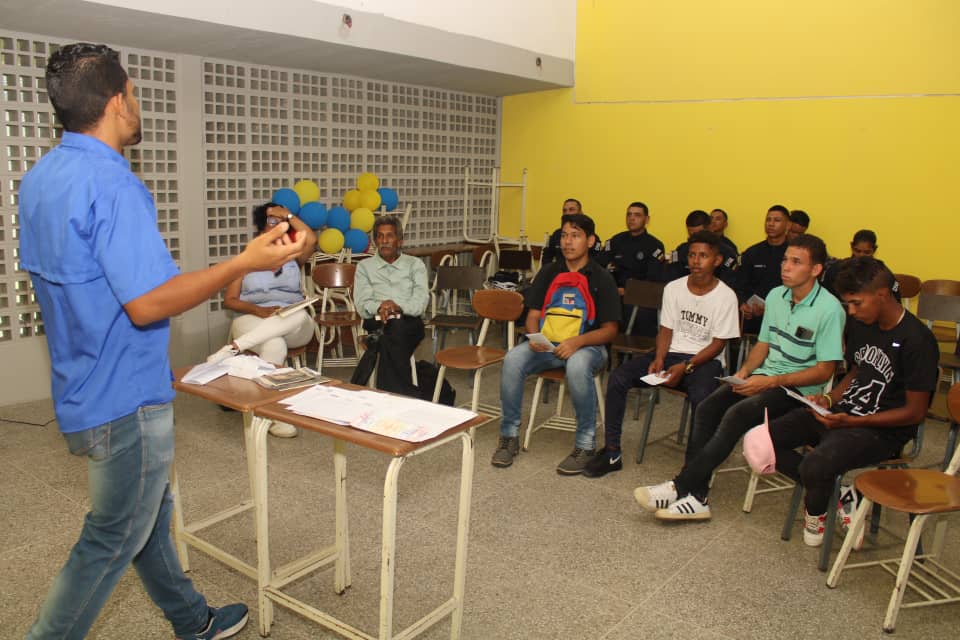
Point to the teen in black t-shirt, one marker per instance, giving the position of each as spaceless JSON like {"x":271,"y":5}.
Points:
{"x":875,"y":409}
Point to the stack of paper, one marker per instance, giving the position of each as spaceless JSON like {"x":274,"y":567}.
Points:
{"x":247,"y":367}
{"x":387,"y":415}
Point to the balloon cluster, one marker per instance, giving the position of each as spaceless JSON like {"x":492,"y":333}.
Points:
{"x":348,"y":225}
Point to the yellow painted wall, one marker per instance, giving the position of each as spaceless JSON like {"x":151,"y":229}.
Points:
{"x":850,"y":111}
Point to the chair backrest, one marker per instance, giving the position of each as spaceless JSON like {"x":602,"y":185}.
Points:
{"x":333,"y":275}
{"x":459,"y":278}
{"x":939,"y":301}
{"x":953,"y":407}
{"x":518,"y":259}
{"x":497,"y":304}
{"x":643,"y":293}
{"x":439,"y":258}
{"x":909,"y":285}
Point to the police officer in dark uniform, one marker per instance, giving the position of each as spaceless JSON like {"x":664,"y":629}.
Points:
{"x":552,"y":252}
{"x":635,"y":254}
{"x":718,"y":225}
{"x":699,"y":221}
{"x":759,"y":270}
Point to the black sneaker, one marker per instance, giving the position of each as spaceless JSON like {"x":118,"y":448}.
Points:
{"x":574,"y":463}
{"x":603,"y":463}
{"x":507,"y":450}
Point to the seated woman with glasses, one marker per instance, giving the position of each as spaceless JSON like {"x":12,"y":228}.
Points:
{"x":259,"y":294}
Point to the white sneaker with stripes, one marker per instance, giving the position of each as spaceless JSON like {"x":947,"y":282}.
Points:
{"x":658,"y":496}
{"x":686,"y":508}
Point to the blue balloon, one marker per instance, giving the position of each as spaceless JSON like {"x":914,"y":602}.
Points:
{"x":357,"y":240}
{"x":388,"y":198}
{"x":339,"y":218}
{"x":287,"y":198}
{"x":313,"y":214}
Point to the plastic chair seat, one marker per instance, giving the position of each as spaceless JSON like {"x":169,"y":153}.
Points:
{"x":469,"y":357}
{"x":339,"y":319}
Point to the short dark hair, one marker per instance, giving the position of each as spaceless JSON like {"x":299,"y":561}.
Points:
{"x":81,"y":79}
{"x":814,"y":246}
{"x":392,"y":221}
{"x":260,"y":215}
{"x":698,"y":218}
{"x":721,"y":211}
{"x":581,"y":221}
{"x":864,"y":273}
{"x":579,"y":204}
{"x":800,"y":217}
{"x":705,"y":237}
{"x":865,"y":235}
{"x":781,"y":209}
{"x":639,"y":204}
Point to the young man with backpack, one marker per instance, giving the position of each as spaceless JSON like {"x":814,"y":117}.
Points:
{"x":575,"y":304}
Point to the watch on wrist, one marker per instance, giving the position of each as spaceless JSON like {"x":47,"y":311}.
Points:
{"x":689,"y":368}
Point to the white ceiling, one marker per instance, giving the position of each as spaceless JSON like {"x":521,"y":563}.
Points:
{"x":443,"y":59}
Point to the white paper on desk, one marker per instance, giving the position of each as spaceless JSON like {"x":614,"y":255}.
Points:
{"x":204,"y":373}
{"x":247,"y":367}
{"x":392,"y":416}
{"x":653,"y":379}
{"x":731,"y":380}
{"x":542,"y":340}
{"x":796,"y":396}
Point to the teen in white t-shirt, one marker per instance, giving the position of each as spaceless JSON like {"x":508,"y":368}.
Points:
{"x":699,"y":314}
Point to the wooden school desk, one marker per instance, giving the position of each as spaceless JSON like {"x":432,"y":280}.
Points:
{"x":270,"y":582}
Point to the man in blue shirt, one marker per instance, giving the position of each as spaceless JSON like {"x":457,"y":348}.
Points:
{"x":106,"y":286}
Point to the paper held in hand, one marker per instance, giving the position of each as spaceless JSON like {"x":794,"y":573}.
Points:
{"x":731,"y":380}
{"x":540,"y":339}
{"x":796,"y":396}
{"x":283,"y":312}
{"x":653,"y":379}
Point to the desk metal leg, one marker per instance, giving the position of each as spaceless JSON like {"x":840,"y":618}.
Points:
{"x":258,"y":440}
{"x":341,"y":580}
{"x":178,"y":524}
{"x":388,"y":548}
{"x":463,"y":529}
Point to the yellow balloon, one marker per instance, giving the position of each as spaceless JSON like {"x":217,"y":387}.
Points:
{"x":370,"y":200}
{"x":351,"y":199}
{"x":330,"y":241}
{"x":307,"y":190}
{"x":368,"y":182}
{"x":362,"y":219}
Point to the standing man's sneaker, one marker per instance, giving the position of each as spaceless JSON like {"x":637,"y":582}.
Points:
{"x":813,"y":529}
{"x":283,"y":430}
{"x":224,"y":622}
{"x":659,"y":496}
{"x":507,"y":450}
{"x":686,"y":508}
{"x":603,"y":463}
{"x":846,"y":507}
{"x":574,"y":463}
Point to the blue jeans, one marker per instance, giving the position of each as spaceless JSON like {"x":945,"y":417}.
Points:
{"x":522,"y":361}
{"x":129,"y":521}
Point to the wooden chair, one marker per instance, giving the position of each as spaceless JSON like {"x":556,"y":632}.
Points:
{"x":831,"y":522}
{"x":921,"y":493}
{"x":491,"y":305}
{"x":329,"y":277}
{"x":449,"y":281}
{"x":644,"y":294}
{"x":516,"y":260}
{"x":909,"y":287}
{"x":939,"y":302}
{"x":484,"y":257}
{"x":558,"y":421}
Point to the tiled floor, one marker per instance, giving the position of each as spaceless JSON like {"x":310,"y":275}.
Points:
{"x":550,"y":556}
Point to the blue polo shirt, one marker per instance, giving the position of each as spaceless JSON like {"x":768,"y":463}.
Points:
{"x":801,"y":335}
{"x":89,"y":239}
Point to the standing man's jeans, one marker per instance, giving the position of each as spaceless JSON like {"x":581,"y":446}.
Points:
{"x":129,"y":521}
{"x":523,"y":361}
{"x":698,"y":385}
